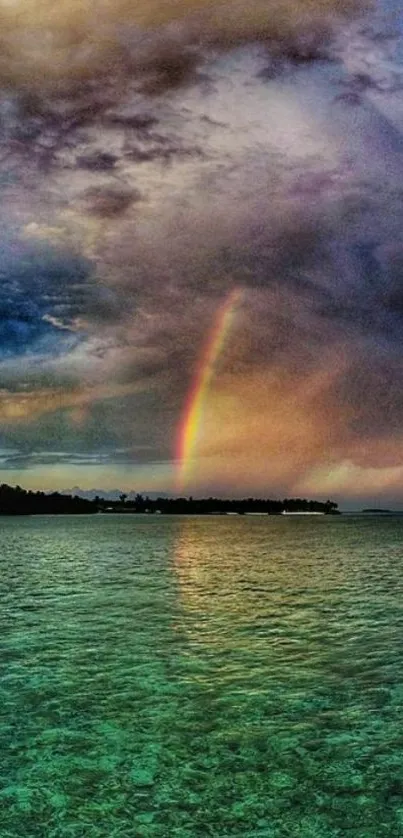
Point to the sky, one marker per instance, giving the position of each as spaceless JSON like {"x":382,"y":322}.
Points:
{"x":201,"y":224}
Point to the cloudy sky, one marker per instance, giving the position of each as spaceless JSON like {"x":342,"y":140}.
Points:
{"x":157,"y":155}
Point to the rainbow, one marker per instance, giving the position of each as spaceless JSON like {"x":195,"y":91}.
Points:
{"x":192,"y":413}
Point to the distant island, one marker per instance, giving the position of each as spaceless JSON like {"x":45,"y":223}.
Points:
{"x":377,"y":511}
{"x":18,"y":501}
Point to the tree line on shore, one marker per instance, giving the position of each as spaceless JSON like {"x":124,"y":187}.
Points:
{"x":18,"y":501}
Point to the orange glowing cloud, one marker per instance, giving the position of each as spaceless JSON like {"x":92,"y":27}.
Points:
{"x":28,"y":406}
{"x":264,"y":430}
{"x":43,"y":42}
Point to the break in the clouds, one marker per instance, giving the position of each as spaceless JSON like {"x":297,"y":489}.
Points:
{"x":153,"y":157}
{"x":42,"y":293}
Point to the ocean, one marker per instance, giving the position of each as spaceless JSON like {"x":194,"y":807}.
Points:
{"x":201,"y":676}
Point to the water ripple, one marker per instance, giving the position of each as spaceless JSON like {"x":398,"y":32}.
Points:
{"x":201,"y":677}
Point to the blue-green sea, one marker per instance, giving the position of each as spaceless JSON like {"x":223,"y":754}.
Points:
{"x":194,"y":677}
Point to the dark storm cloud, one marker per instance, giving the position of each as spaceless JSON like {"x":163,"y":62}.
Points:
{"x":297,"y":202}
{"x":389,"y":256}
{"x":108,"y":201}
{"x":42,"y":291}
{"x":370,"y":300}
{"x":64,"y":68}
{"x":310,"y":270}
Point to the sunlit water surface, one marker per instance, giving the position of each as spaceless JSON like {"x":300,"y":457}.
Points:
{"x":201,"y":677}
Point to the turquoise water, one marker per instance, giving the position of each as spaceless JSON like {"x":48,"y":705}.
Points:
{"x":201,"y":677}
